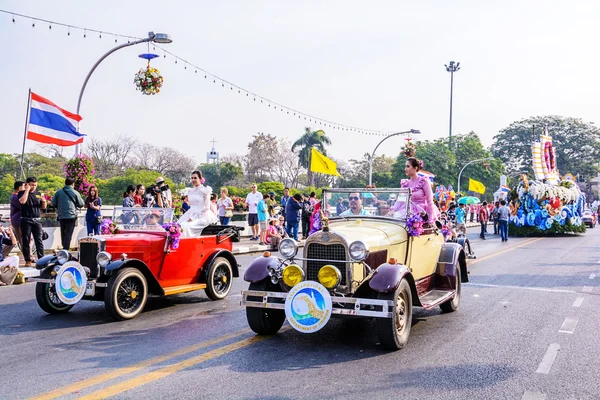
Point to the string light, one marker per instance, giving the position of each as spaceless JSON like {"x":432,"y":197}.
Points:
{"x":129,"y":39}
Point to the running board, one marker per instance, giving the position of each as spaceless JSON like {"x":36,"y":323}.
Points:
{"x":184,"y":288}
{"x":435,"y":298}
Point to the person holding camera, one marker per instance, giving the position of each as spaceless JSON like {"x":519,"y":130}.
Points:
{"x":32,"y":202}
{"x":154,"y":197}
{"x":165,"y":191}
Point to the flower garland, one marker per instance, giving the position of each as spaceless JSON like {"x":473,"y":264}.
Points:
{"x":108,"y":227}
{"x":148,"y":80}
{"x":414,"y":225}
{"x":174,"y":231}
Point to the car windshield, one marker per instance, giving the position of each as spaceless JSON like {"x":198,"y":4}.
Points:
{"x":140,"y":218}
{"x":343,"y":203}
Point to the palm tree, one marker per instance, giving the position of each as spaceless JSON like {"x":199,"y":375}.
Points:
{"x":310,"y":139}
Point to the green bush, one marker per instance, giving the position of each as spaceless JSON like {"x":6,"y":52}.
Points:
{"x":555,"y":230}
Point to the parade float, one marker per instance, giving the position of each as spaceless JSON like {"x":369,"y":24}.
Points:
{"x":547,"y":205}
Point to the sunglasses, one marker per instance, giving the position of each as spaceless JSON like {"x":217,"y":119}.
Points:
{"x":353,"y":198}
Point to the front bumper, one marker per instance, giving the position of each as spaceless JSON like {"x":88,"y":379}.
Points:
{"x":342,"y":306}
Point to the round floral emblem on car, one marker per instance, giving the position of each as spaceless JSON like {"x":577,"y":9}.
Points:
{"x":308,"y":307}
{"x":70,"y":283}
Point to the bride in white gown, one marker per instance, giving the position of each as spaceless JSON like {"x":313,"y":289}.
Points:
{"x":199,"y":215}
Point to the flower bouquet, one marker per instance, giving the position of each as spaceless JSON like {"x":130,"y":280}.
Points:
{"x":174,"y":231}
{"x":148,"y":80}
{"x":414,"y":225}
{"x":108,"y":227}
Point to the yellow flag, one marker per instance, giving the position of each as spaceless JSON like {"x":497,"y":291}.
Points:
{"x":320,"y":163}
{"x":476,"y":186}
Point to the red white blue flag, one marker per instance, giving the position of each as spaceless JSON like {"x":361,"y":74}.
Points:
{"x":505,"y":188}
{"x":427,"y":175}
{"x":50,"y":124}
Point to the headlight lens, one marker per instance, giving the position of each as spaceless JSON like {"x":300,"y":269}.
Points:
{"x":330,"y":276}
{"x":292,"y":275}
{"x":103,"y":258}
{"x":63,"y":256}
{"x":358,"y":251}
{"x":288,"y":248}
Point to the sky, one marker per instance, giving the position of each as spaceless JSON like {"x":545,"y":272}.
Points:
{"x":375,"y":65}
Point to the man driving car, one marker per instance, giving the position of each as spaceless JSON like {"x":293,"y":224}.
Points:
{"x":356,"y":207}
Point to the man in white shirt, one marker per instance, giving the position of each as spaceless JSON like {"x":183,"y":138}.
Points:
{"x":252,"y":200}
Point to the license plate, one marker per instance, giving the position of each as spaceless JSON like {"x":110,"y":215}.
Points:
{"x":90,"y":288}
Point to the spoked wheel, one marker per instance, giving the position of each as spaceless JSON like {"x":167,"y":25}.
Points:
{"x":394,"y":332}
{"x":265,"y":321}
{"x":45,"y":294}
{"x":219,"y":279}
{"x":452,"y":304}
{"x":126,"y":294}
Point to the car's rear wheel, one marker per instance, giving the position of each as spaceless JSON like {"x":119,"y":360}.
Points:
{"x":126,"y":294}
{"x":452,"y":304}
{"x":47,"y":299}
{"x":264,"y":321}
{"x":394,"y":332}
{"x":219,"y":279}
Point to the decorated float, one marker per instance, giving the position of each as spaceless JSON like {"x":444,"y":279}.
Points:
{"x":547,"y":205}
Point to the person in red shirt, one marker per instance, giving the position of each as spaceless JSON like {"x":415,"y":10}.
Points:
{"x":138,"y":198}
{"x":483,"y":217}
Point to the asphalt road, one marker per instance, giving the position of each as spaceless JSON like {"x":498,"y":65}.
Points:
{"x":527,"y":328}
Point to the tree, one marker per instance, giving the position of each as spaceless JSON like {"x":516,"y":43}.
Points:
{"x":36,"y":164}
{"x":576,"y":144}
{"x":261,"y":158}
{"x":6,"y":188}
{"x":165,"y":161}
{"x":219,"y":175}
{"x":305,"y":143}
{"x":355,"y":173}
{"x":111,"y":156}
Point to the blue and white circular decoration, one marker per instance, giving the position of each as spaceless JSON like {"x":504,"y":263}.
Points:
{"x":70,"y":283}
{"x":308,"y":307}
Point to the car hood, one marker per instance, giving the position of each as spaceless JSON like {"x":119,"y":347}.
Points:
{"x":374,"y":233}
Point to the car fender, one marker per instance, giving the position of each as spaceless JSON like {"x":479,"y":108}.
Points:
{"x":259,"y":268}
{"x":451,"y":255}
{"x":153,"y":285}
{"x":47,"y":261}
{"x":221,"y":253}
{"x":387,"y":277}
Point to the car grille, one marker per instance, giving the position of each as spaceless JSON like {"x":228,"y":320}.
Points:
{"x":329,"y":254}
{"x":87,"y":256}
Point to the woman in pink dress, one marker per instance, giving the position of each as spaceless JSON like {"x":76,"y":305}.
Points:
{"x":421,"y":194}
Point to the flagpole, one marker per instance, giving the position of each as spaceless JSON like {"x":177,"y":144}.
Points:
{"x":25,"y":133}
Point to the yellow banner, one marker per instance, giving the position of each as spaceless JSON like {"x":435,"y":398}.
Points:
{"x":476,"y":186}
{"x":320,"y":163}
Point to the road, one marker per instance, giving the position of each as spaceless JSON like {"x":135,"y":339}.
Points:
{"x":527,"y":328}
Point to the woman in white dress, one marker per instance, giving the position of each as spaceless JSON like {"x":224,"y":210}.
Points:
{"x":199,"y":215}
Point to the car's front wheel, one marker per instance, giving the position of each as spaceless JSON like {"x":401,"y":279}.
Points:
{"x":126,"y":294}
{"x":394,"y":331}
{"x":219,"y":279}
{"x":47,"y":299}
{"x":264,"y":321}
{"x":452,"y":304}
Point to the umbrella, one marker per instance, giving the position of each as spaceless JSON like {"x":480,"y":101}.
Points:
{"x":468,"y":200}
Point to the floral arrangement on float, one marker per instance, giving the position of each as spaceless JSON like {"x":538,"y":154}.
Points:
{"x":414,"y":225}
{"x":174,"y":234}
{"x":108,"y":227}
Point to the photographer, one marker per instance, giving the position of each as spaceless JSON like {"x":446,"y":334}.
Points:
{"x":154,"y":197}
{"x":165,"y":191}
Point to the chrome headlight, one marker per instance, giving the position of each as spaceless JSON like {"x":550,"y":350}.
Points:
{"x":63,"y":256}
{"x":288,"y":248}
{"x":103,"y":258}
{"x":358,"y":250}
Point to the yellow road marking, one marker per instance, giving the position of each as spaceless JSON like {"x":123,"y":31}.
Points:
{"x":502,"y":251}
{"x":77,"y":386}
{"x":171,"y":369}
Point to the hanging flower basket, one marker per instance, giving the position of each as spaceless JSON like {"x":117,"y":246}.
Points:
{"x":148,"y":80}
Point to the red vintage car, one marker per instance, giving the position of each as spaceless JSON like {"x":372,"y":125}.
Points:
{"x":142,"y":260}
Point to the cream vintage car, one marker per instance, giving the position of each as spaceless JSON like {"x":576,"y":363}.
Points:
{"x":356,"y":266}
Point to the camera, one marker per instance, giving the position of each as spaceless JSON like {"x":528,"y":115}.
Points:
{"x":164,"y":188}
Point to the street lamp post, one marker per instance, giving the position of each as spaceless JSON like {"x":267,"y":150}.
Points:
{"x":412,"y":131}
{"x":470,"y":162}
{"x":452,"y":68}
{"x":162,"y":38}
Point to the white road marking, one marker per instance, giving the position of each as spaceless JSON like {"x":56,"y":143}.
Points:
{"x":522,"y":287}
{"x":587,"y":289}
{"x":533,"y":396}
{"x":569,"y":325}
{"x":578,"y":302}
{"x":548,"y":359}
{"x":592,"y":276}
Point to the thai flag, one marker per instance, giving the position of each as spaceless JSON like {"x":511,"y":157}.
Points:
{"x":427,"y":175}
{"x":505,"y":188}
{"x":48,"y":123}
